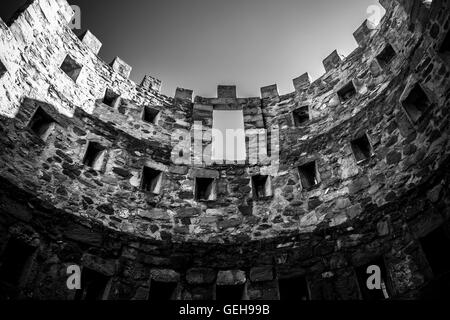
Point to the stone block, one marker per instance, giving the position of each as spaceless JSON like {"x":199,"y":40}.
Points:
{"x":231,"y":278}
{"x":200,"y":276}
{"x":259,"y":274}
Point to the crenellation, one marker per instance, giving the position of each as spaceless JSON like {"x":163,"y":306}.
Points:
{"x":121,"y":67}
{"x":226,"y":92}
{"x":332,"y":61}
{"x":269,"y":92}
{"x":151,"y":83}
{"x":90,"y":41}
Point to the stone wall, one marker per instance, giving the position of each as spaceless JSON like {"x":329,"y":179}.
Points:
{"x":363,"y":177}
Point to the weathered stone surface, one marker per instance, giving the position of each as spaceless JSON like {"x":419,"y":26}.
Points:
{"x":200,"y":276}
{"x":231,"y":278}
{"x":259,"y":274}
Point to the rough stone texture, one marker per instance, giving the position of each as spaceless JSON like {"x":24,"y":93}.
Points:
{"x":73,"y":214}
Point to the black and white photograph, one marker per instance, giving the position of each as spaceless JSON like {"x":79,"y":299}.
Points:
{"x":224,"y":159}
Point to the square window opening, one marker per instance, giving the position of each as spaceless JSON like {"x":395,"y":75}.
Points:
{"x":229,"y":293}
{"x":162,"y":291}
{"x":445,"y":47}
{"x":416,"y":103}
{"x":111,"y":98}
{"x":14,"y":261}
{"x":362,"y":275}
{"x":3,"y":69}
{"x":309,"y":176}
{"x":71,"y":68}
{"x":294,"y":289}
{"x":150,"y":115}
{"x":93,"y":285}
{"x":347,"y":92}
{"x":261,"y":186}
{"x":362,"y":149}
{"x":436,"y":246}
{"x":205,"y":189}
{"x":151,"y":180}
{"x":301,"y":116}
{"x":386,"y":56}
{"x":42,"y":124}
{"x":94,"y":156}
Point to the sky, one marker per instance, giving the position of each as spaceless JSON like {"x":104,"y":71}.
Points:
{"x":198,"y":44}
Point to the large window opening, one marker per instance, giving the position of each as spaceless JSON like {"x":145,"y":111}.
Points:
{"x":228,"y":136}
{"x":71,"y":68}
{"x":301,"y":116}
{"x":386,"y":56}
{"x":362,"y":149}
{"x":347,"y":92}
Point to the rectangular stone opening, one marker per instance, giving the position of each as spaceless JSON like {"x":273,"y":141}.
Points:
{"x":94,"y":156}
{"x":347,"y":92}
{"x":230,"y":292}
{"x":14,"y":261}
{"x":445,"y":47}
{"x":71,"y":68}
{"x":42,"y":124}
{"x":362,"y":149}
{"x":436,"y":247}
{"x":261,"y":186}
{"x":293,"y":289}
{"x":151,"y":180}
{"x":309,"y":175}
{"x":150,"y":115}
{"x":3,"y":69}
{"x":93,"y":285}
{"x":162,"y":291}
{"x":386,"y":56}
{"x":228,"y":136}
{"x":374,"y":293}
{"x":205,"y":189}
{"x":416,"y":103}
{"x":301,"y":116}
{"x":111,"y":98}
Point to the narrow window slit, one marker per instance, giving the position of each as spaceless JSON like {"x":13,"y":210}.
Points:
{"x":93,"y":285}
{"x":301,"y":116}
{"x":14,"y":261}
{"x":347,"y":92}
{"x":162,"y":291}
{"x":375,"y":294}
{"x":261,"y":186}
{"x":309,"y":175}
{"x":362,"y":149}
{"x":205,"y":189}
{"x":151,"y":180}
{"x":150,"y":115}
{"x":386,"y":56}
{"x":42,"y":124}
{"x":229,"y":292}
{"x":293,"y":289}
{"x":71,"y":68}
{"x":111,"y":98}
{"x":416,"y":103}
{"x":94,"y":156}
